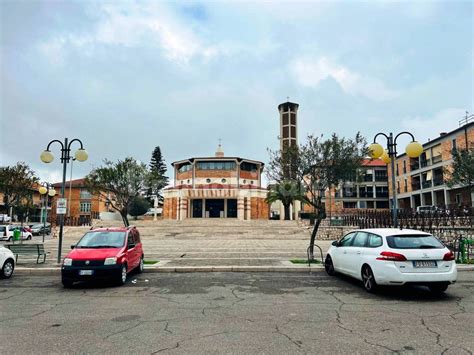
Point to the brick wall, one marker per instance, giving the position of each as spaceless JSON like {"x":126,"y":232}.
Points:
{"x":259,"y":208}
{"x":215,"y":173}
{"x":169,"y":208}
{"x":184,"y":176}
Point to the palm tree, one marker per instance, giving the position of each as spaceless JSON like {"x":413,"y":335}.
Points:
{"x":286,"y":191}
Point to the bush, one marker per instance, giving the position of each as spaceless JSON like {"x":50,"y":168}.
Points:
{"x":138,"y":207}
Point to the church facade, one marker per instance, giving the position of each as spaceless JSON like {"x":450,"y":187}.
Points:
{"x":216,"y":187}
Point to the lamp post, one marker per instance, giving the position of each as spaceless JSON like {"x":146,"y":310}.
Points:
{"x":48,"y":157}
{"x":413,"y":150}
{"x":47,"y":190}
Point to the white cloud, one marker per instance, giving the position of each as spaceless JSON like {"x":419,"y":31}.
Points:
{"x":310,"y":72}
{"x":429,"y":128}
{"x":134,"y":25}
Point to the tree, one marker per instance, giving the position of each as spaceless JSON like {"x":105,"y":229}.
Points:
{"x":158,"y":180}
{"x":461,"y":171}
{"x":318,"y":165}
{"x":286,"y":191}
{"x":119,"y":183}
{"x":138,"y":207}
{"x":17,"y":184}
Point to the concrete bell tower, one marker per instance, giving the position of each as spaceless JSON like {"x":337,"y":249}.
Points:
{"x":288,"y":124}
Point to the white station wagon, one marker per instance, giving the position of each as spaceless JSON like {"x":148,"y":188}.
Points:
{"x":391,"y":256}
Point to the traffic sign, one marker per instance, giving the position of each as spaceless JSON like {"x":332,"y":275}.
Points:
{"x":61,"y":206}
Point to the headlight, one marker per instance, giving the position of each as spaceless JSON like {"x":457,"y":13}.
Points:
{"x":110,"y":261}
{"x":67,"y":262}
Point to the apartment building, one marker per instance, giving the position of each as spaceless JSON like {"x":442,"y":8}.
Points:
{"x":422,"y":181}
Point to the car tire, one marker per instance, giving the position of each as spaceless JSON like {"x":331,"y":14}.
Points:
{"x":368,"y":279}
{"x":10,"y":239}
{"x":67,"y":283}
{"x":7,"y":269}
{"x":438,"y":288}
{"x":122,"y":275}
{"x":29,"y":237}
{"x":141,"y":265}
{"x":329,"y":266}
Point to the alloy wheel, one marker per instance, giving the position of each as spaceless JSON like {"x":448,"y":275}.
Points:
{"x":8,"y":269}
{"x":368,"y":279}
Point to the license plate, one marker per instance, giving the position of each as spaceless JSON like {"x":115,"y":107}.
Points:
{"x":424,"y":263}
{"x":86,"y":272}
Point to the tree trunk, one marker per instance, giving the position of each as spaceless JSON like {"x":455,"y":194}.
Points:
{"x":313,"y":238}
{"x":287,"y":212}
{"x":124,"y":213}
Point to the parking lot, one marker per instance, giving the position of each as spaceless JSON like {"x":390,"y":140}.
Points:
{"x":234,"y":313}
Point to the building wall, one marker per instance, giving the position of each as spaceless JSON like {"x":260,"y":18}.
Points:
{"x":259,"y":209}
{"x":424,"y":181}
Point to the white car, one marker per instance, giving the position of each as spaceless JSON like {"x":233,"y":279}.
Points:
{"x":7,"y":262}
{"x":391,"y":256}
{"x":5,"y":218}
{"x":6,"y":232}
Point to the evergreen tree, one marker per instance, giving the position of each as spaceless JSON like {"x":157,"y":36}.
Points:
{"x":158,"y":178}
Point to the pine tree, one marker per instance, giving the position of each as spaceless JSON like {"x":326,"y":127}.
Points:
{"x":158,"y":180}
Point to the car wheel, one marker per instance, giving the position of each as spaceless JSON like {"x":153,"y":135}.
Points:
{"x":122,"y":277}
{"x":141,"y":266}
{"x":329,"y":266}
{"x":67,"y":283}
{"x":368,"y":278}
{"x":10,"y":239}
{"x":29,"y":237}
{"x":438,"y":288}
{"x":7,"y":269}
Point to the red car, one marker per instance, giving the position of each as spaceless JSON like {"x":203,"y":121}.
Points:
{"x":104,"y":253}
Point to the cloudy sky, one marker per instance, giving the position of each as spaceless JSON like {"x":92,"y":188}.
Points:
{"x":125,"y":77}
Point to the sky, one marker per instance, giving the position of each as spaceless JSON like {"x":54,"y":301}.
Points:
{"x":127,"y":76}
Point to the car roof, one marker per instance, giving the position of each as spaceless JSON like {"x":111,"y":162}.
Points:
{"x":384,"y":232}
{"x":112,"y":229}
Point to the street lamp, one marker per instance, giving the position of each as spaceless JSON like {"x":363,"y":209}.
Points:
{"x":46,"y":191}
{"x":47,"y":157}
{"x":413,"y":150}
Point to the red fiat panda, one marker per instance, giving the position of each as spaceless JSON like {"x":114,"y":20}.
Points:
{"x":104,"y":253}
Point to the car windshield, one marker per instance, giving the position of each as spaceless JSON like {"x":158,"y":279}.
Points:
{"x":416,"y":241}
{"x":2,"y":228}
{"x":37,"y":226}
{"x":102,"y":239}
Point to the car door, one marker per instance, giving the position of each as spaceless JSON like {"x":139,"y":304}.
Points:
{"x":339,"y":253}
{"x":355,"y":253}
{"x":131,"y":250}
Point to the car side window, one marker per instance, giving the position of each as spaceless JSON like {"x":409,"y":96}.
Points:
{"x":360,"y":239}
{"x":137,"y":237}
{"x":131,"y":240}
{"x":346,"y":241}
{"x":375,"y":241}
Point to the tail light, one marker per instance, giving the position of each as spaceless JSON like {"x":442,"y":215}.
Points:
{"x":449,"y":256}
{"x":389,"y":256}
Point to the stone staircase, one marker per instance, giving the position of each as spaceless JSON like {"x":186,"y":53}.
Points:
{"x":211,"y":242}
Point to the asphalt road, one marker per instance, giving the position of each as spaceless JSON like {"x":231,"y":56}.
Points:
{"x":238,"y":313}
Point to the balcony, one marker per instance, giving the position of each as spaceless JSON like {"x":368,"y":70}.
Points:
{"x":437,"y":159}
{"x":425,"y":163}
{"x":381,"y":177}
{"x":437,"y":181}
{"x":368,"y":178}
{"x":427,"y":184}
{"x":415,"y":187}
{"x":382,"y":194}
{"x":366,"y":194}
{"x":414,"y":167}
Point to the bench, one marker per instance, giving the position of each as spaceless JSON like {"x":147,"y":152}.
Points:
{"x":28,"y":249}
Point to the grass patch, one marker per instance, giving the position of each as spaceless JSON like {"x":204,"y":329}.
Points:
{"x":150,"y":262}
{"x":304,"y":261}
{"x":468,"y":262}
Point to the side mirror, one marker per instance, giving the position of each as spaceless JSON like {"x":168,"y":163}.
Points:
{"x":73,"y":246}
{"x":335,"y":243}
{"x":131,"y":246}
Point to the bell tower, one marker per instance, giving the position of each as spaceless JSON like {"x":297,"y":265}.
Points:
{"x":288,"y":124}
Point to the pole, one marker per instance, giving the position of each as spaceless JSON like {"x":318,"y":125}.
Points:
{"x":70,"y":191}
{"x":64,"y":158}
{"x":45,"y":202}
{"x":392,"y":154}
{"x":155,"y":205}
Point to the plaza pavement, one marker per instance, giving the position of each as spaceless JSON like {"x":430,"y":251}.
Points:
{"x":205,"y":245}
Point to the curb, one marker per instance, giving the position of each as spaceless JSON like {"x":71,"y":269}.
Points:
{"x":182,"y":269}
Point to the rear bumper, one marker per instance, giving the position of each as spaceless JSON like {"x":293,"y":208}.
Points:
{"x":71,"y":273}
{"x":389,"y":274}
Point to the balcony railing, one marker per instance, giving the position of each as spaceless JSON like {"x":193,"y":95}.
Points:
{"x":438,"y":181}
{"x":368,"y":178}
{"x":415,"y":187}
{"x":366,"y":194}
{"x":381,"y":177}
{"x":414,"y":167}
{"x":427,"y":184}
{"x":437,"y":159}
{"x":425,"y":163}
{"x":381,"y":194}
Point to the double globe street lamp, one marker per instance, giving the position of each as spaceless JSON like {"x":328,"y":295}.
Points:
{"x":413,"y":150}
{"x":47,"y":190}
{"x":47,"y":157}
